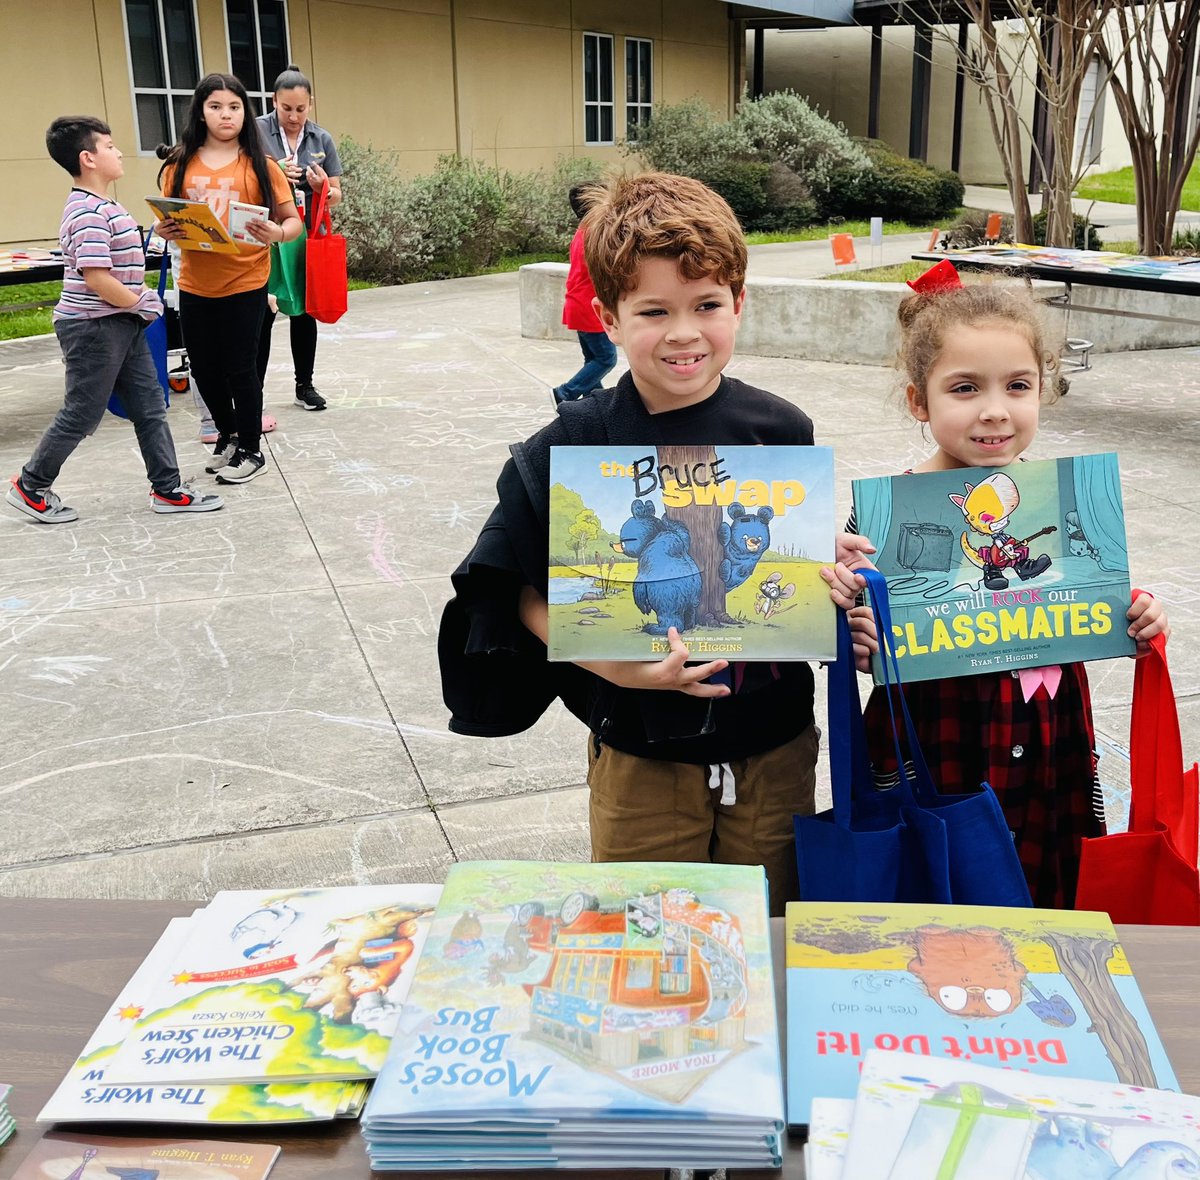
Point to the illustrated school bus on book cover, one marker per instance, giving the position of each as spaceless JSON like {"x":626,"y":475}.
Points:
{"x":722,"y":543}
{"x":1000,"y":569}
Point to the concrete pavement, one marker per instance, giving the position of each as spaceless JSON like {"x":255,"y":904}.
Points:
{"x":250,"y":698}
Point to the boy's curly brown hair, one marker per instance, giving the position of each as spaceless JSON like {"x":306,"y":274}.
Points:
{"x":661,"y":214}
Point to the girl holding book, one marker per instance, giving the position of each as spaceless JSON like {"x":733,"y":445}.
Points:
{"x":978,"y":369}
{"x":223,"y":297}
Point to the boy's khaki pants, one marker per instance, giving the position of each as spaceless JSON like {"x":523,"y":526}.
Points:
{"x":644,"y":810}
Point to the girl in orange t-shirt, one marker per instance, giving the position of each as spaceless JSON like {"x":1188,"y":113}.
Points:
{"x":223,"y":297}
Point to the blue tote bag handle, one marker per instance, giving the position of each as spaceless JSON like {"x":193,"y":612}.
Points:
{"x":863,"y":849}
{"x":982,"y":864}
{"x":156,"y":340}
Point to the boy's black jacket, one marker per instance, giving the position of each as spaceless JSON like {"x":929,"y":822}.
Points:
{"x":496,"y":680}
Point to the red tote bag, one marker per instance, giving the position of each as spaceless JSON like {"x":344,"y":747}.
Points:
{"x":325,"y":266}
{"x":1148,"y":874}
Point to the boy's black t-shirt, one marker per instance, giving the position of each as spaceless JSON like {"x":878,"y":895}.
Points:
{"x":495,"y":676}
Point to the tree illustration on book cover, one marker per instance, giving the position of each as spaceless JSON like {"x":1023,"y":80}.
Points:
{"x":722,"y":543}
{"x":1000,"y":569}
{"x":1047,"y":991}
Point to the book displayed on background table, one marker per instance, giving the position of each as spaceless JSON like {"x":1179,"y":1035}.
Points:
{"x":917,"y":1118}
{"x":85,"y":1096}
{"x":80,"y":1157}
{"x":599,"y":1015}
{"x":1047,"y":991}
{"x":1001,"y":569}
{"x":722,"y":543}
{"x":298,"y":985}
{"x":203,"y":228}
{"x":828,"y":1138}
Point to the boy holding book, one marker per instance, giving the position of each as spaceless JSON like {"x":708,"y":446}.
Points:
{"x":100,"y":322}
{"x":685,"y":762}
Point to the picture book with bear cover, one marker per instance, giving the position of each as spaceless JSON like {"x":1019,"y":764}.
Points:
{"x":587,"y":1015}
{"x":293,"y":985}
{"x":723,"y":544}
{"x":1006,"y":569}
{"x":1047,"y":991}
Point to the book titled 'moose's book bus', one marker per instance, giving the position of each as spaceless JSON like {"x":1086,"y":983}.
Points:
{"x":999,"y":569}
{"x":722,"y":543}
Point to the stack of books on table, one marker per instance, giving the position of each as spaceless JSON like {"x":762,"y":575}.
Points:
{"x":604,"y":1015}
{"x":973,"y":1012}
{"x":260,"y":1008}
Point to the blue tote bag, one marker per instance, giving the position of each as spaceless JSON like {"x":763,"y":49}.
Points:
{"x":906,"y":843}
{"x":156,"y":341}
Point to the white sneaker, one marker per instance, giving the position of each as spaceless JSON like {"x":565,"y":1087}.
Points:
{"x":43,"y":506}
{"x":242,"y":468}
{"x":185,"y":498}
{"x":222,"y":455}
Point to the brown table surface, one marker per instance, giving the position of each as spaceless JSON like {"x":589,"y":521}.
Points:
{"x":62,"y":962}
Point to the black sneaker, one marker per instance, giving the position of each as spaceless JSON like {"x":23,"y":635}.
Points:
{"x":223,"y":453}
{"x":308,"y":398}
{"x":242,"y":468}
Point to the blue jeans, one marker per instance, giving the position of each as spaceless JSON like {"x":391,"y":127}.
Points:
{"x":103,"y":355}
{"x":599,"y":359}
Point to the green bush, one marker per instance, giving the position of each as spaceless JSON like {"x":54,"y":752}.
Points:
{"x":971,"y":229}
{"x":767,"y":162}
{"x":1086,"y":237}
{"x":894,"y":187}
{"x":781,"y":128}
{"x":458,"y":220}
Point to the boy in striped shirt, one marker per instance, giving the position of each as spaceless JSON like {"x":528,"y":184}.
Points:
{"x":99,"y":321}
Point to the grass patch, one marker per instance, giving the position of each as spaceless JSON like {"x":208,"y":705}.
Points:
{"x":30,"y":293}
{"x":1118,"y":187}
{"x":901,"y":273}
{"x":15,"y":325}
{"x":511,"y":262}
{"x":860,"y":229}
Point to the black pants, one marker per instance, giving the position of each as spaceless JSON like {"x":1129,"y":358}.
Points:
{"x":303,"y":330}
{"x":222,"y":338}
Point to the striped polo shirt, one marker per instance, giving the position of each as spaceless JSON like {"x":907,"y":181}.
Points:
{"x":96,"y":231}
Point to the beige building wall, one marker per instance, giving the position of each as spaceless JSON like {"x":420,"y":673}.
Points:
{"x":500,"y":80}
{"x":832,"y":69}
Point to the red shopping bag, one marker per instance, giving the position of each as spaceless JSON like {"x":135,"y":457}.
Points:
{"x":325,"y":266}
{"x":1148,"y":874}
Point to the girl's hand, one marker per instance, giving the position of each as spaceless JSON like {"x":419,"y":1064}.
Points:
{"x":845,"y":585}
{"x":670,"y":674}
{"x":1147,"y":618}
{"x":170,"y":229}
{"x":864,"y":636}
{"x":264,"y":231}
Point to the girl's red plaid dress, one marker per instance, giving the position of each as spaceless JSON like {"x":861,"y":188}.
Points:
{"x":1038,"y":755}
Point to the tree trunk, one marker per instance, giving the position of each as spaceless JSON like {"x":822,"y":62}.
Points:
{"x":1084,"y":963}
{"x":703,"y":522}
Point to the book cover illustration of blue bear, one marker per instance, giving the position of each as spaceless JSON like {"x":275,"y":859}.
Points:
{"x":1001,"y":569}
{"x":722,"y":543}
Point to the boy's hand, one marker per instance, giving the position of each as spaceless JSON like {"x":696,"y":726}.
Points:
{"x":1147,"y":618}
{"x":670,"y":674}
{"x":170,"y":229}
{"x":845,"y":585}
{"x":864,"y":636}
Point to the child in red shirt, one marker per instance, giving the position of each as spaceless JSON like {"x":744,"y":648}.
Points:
{"x":599,"y":353}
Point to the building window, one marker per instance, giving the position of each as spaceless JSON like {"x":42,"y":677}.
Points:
{"x":164,"y":66}
{"x":598,"y":105}
{"x":258,"y":46}
{"x":639,"y":84}
{"x":1089,"y":122}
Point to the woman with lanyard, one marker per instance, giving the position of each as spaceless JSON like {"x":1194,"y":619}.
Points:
{"x":309,"y":157}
